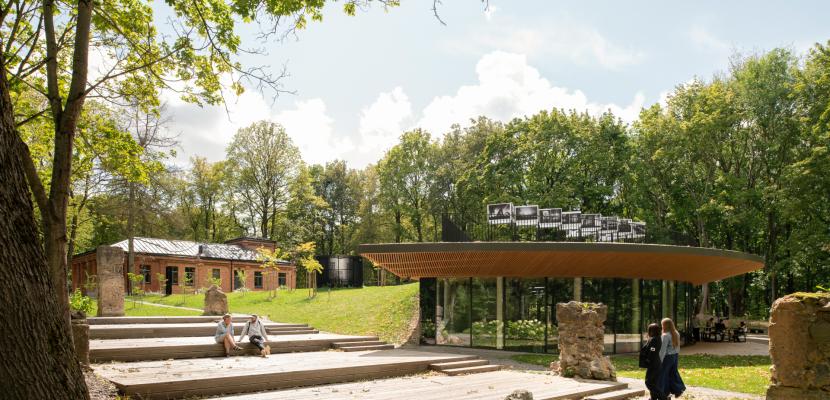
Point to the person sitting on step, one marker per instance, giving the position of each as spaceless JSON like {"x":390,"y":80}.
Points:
{"x":257,"y":335}
{"x":224,"y":335}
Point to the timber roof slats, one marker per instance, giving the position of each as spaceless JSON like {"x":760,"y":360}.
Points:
{"x":560,"y":259}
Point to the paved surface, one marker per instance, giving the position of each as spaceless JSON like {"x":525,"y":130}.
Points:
{"x":752,"y":347}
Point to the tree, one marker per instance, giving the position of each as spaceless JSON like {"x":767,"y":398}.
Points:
{"x":265,"y":162}
{"x":46,"y":46}
{"x":271,"y":260}
{"x":242,"y":278}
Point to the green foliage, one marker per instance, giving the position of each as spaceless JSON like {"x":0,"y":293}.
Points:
{"x":214,"y":281}
{"x":79,"y":302}
{"x":242,"y":276}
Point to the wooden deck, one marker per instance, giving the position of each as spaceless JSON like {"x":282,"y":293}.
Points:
{"x":213,"y":376}
{"x":132,"y":331}
{"x":204,"y":346}
{"x":489,"y":385}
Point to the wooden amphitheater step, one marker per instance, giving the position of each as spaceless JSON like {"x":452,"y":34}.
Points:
{"x":369,"y":347}
{"x":618,"y":395}
{"x":144,"y":349}
{"x":130,"y":331}
{"x":472,"y":370}
{"x":170,"y":379}
{"x":293,"y":332}
{"x":162,"y":320}
{"x":457,"y":364}
{"x":338,"y":345}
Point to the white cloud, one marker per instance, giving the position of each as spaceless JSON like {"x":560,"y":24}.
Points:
{"x":702,"y":38}
{"x":576,"y":43}
{"x":312,"y":131}
{"x":383,"y":121}
{"x":508,"y":88}
{"x":489,"y":11}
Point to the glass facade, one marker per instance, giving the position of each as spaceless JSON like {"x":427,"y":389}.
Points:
{"x":519,"y":314}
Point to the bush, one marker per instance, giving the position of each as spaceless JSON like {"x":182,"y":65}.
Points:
{"x":526,"y":329}
{"x":79,"y":302}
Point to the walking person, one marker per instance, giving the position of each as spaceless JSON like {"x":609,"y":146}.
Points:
{"x":257,"y":335}
{"x":650,"y":360}
{"x":224,"y":335}
{"x":670,"y":380}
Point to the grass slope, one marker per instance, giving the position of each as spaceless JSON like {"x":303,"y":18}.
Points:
{"x":745,"y":374}
{"x":381,"y":311}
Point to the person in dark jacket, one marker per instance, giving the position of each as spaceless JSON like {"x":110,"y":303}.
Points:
{"x":650,"y":360}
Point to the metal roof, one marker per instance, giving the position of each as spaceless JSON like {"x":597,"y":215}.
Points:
{"x":186,"y":248}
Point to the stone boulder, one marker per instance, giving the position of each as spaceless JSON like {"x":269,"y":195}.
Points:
{"x":216,"y":301}
{"x":519,"y":394}
{"x":582,"y":341}
{"x":799,"y":344}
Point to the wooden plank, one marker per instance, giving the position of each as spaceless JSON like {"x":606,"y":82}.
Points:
{"x":489,"y":385}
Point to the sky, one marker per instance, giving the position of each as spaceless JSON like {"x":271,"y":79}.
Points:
{"x":361,"y":81}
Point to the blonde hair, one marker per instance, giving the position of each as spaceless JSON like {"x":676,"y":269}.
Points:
{"x":668,"y":326}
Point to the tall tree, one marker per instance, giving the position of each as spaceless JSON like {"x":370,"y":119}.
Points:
{"x":266,"y":162}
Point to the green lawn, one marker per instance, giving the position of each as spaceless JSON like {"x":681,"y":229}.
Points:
{"x":382,"y":311}
{"x":143,"y":310}
{"x":745,"y":374}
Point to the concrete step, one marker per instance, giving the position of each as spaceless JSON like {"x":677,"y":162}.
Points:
{"x":618,"y":395}
{"x":458,"y":364}
{"x":472,"y":370}
{"x":338,"y":345}
{"x":370,"y":347}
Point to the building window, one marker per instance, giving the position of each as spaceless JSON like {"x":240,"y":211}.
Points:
{"x":281,"y":279}
{"x":257,"y":279}
{"x":145,"y":271}
{"x":217,"y":273}
{"x":189,"y":276}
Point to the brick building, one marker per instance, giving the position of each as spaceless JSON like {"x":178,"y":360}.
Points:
{"x":178,"y":259}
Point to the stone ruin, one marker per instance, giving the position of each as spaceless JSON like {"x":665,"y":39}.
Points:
{"x":110,"y":265}
{"x":582,"y":342}
{"x":80,"y":336}
{"x":799,"y":344}
{"x":216,"y":301}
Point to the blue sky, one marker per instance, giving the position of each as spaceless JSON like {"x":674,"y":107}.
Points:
{"x":361,"y":81}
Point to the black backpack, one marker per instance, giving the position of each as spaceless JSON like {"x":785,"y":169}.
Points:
{"x":647,"y":352}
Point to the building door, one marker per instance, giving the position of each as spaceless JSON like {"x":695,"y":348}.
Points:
{"x":237,"y":282}
{"x":170,"y":274}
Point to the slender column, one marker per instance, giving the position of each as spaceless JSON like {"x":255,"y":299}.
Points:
{"x":635,"y":306}
{"x":500,"y":312}
{"x":578,"y":289}
{"x":665,"y":299}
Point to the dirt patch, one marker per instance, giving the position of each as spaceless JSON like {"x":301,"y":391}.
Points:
{"x":99,"y":388}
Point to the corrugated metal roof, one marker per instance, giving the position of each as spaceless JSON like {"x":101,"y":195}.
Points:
{"x":186,"y":248}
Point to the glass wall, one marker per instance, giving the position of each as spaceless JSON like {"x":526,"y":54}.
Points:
{"x":486,"y":328}
{"x":452,"y":312}
{"x":519,"y":314}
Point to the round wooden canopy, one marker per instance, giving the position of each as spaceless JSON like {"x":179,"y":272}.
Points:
{"x":560,"y":259}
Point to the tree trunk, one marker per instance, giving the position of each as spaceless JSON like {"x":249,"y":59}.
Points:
{"x":131,"y":229}
{"x":44,"y":365}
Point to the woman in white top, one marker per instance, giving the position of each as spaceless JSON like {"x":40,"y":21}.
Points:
{"x":670,"y":380}
{"x":224,"y":335}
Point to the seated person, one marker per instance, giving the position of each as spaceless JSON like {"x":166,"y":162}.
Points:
{"x":224,"y":335}
{"x":720,"y":328}
{"x":739,"y":331}
{"x":257,"y":335}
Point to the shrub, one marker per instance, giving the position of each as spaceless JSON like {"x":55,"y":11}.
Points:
{"x":79,"y":302}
